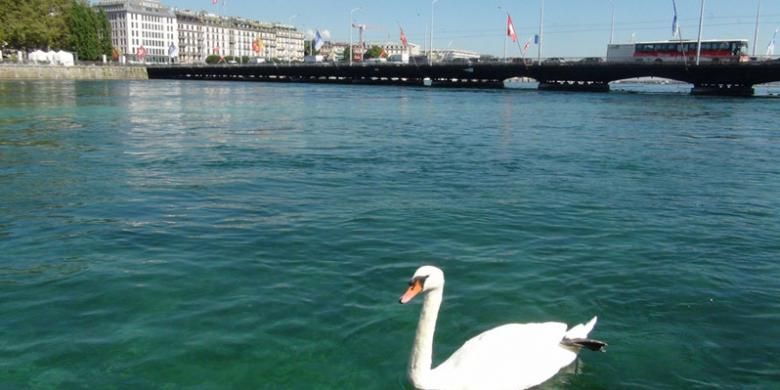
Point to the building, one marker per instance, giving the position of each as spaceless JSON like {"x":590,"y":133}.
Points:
{"x":191,"y":37}
{"x":333,"y":51}
{"x":455,"y":55}
{"x":203,"y":34}
{"x":165,"y":35}
{"x":141,"y":30}
{"x":396,"y":48}
{"x":289,"y":43}
{"x":393,"y":51}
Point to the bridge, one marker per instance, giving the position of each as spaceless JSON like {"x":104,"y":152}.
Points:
{"x":733,"y":79}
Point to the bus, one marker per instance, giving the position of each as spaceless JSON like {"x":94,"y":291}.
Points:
{"x":732,"y":50}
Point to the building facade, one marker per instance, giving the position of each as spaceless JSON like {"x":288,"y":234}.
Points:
{"x":191,"y":37}
{"x":141,"y":30}
{"x":164,"y":35}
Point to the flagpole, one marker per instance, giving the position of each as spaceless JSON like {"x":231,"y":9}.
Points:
{"x":541,"y":33}
{"x":755,"y":33}
{"x":351,"y":22}
{"x":506,"y":30}
{"x":701,"y":28}
{"x":430,"y":53}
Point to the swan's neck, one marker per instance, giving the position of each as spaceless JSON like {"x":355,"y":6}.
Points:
{"x":422,"y":351}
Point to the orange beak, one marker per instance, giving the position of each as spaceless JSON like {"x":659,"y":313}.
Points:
{"x":414,"y":288}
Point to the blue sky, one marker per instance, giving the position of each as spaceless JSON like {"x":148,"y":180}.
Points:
{"x":573,"y":28}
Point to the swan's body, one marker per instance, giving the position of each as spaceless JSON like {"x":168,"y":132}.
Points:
{"x":512,"y":356}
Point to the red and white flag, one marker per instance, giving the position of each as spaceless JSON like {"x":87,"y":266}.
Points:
{"x":404,"y":41}
{"x":527,"y":43}
{"x":510,"y":28}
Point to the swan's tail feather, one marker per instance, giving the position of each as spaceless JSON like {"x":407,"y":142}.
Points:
{"x":593,"y":345}
{"x":581,"y":331}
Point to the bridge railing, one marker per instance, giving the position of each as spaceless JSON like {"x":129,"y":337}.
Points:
{"x":548,"y":61}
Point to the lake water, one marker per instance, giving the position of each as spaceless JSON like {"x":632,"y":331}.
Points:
{"x":209,"y":235}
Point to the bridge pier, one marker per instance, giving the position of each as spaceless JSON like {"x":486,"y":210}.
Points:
{"x":573,"y":86}
{"x":707,"y":89}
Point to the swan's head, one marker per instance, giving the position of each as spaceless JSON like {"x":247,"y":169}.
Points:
{"x":426,"y":278}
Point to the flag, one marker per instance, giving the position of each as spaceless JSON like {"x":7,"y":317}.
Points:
{"x":172,"y":51}
{"x":675,"y":25}
{"x":140,"y":52}
{"x":510,"y":28}
{"x":257,"y":45}
{"x":770,"y":50}
{"x":404,"y":41}
{"x":536,"y":39}
{"x":527,"y":44}
{"x":214,"y":2}
{"x":318,"y":42}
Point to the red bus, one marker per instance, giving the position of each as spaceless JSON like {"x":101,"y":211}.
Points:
{"x":734,"y":50}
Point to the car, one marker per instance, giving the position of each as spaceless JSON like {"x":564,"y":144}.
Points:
{"x":592,"y":60}
{"x":554,"y":60}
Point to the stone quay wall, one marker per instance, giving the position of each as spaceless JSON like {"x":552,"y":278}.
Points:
{"x":79,"y":72}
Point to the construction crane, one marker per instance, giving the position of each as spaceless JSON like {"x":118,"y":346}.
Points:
{"x":359,"y":55}
{"x":362,"y":27}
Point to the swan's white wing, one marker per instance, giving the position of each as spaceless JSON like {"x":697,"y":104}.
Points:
{"x":509,"y":356}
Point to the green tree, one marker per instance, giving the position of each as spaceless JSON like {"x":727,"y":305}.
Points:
{"x":347,"y":54}
{"x":213,"y":59}
{"x":104,"y":33}
{"x":34,"y":24}
{"x":373,"y":52}
{"x":308,"y":48}
{"x":90,"y":34}
{"x":55,"y":25}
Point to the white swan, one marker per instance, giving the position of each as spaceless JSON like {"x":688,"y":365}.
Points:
{"x":512,"y":356}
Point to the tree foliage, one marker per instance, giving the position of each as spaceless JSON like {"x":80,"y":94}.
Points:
{"x":90,"y":35}
{"x":56,"y":25}
{"x":373,"y":52}
{"x":34,"y":24}
{"x":347,"y":54}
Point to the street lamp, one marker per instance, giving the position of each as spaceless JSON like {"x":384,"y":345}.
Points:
{"x":430,"y":53}
{"x":701,"y":27}
{"x":755,"y":33}
{"x":351,"y":22}
{"x":612,"y":26}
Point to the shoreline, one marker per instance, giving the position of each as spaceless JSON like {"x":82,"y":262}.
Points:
{"x":77,"y":72}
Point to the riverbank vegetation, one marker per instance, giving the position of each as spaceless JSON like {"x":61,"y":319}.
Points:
{"x":70,"y":25}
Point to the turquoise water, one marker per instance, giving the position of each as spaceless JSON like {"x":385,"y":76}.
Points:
{"x":213,"y":235}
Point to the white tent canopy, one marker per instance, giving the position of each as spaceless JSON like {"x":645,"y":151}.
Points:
{"x":52,"y":57}
{"x":64,"y":58}
{"x":39,"y":56}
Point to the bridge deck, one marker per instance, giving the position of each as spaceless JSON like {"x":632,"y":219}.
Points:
{"x":726,"y":78}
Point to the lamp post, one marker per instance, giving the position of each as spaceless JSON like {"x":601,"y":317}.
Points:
{"x":612,"y":26}
{"x":430,"y":53}
{"x":755,"y":33}
{"x":351,"y":22}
